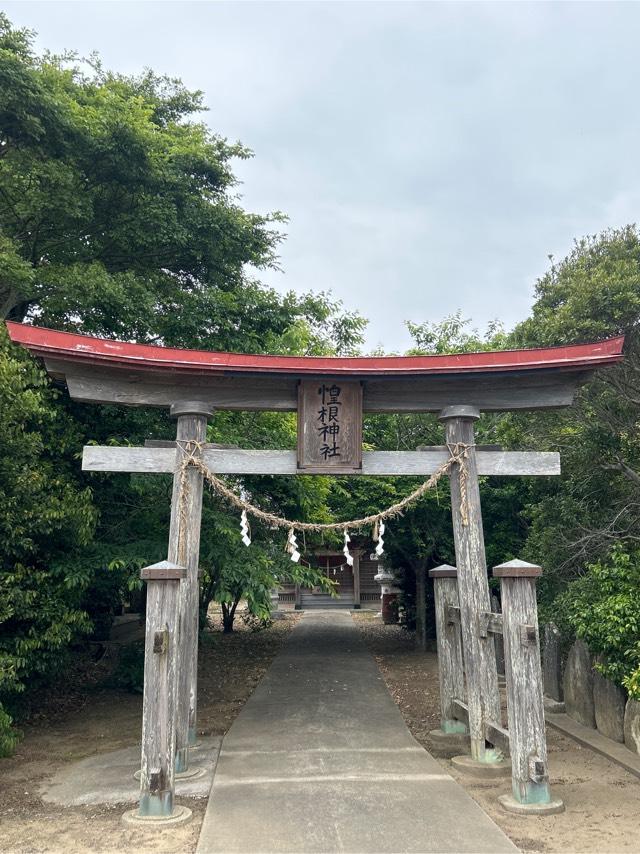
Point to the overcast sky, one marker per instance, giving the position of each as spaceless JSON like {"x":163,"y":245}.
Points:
{"x":430,"y":156}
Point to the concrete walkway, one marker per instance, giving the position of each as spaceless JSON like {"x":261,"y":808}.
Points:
{"x":320,"y":760}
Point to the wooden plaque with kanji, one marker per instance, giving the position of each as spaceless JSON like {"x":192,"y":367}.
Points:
{"x":329,"y":426}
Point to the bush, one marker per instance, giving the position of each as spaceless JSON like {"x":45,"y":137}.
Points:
{"x":603,"y":608}
{"x":8,"y":735}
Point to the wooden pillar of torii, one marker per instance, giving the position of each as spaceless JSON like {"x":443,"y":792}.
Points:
{"x":483,"y":697}
{"x":184,"y":549}
{"x":330,"y":395}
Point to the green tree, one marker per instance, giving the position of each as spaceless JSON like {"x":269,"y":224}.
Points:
{"x":45,"y":522}
{"x":120,"y":218}
{"x":593,"y":293}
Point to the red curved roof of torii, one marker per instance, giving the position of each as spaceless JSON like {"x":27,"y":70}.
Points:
{"x":84,"y":349}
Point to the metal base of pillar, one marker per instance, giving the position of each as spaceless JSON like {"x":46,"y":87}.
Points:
{"x":488,"y":770}
{"x":179,"y":815}
{"x":509,"y":803}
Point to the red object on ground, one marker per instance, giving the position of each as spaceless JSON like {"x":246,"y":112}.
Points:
{"x":69,"y":346}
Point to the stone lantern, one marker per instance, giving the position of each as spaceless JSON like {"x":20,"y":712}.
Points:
{"x":389,"y":594}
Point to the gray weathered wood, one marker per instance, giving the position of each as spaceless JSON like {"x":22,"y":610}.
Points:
{"x":525,"y":706}
{"x":494,"y":732}
{"x":498,"y":639}
{"x":184,"y":548}
{"x":231,"y":461}
{"x":497,"y":735}
{"x":160,"y":691}
{"x":489,"y":622}
{"x":483,"y":698}
{"x":171,"y":443}
{"x":449,"y":640}
{"x":431,"y":393}
{"x":494,"y":393}
{"x":325,"y":406}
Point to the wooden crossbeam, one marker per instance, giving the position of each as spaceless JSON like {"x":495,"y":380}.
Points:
{"x":494,"y":732}
{"x":236,"y":461}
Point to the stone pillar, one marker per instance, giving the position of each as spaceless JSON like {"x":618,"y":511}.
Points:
{"x":525,"y":695}
{"x":157,"y":767}
{"x":578,"y":685}
{"x":450,"y":660}
{"x":483,"y":699}
{"x":184,"y":549}
{"x":609,"y":702}
{"x":552,"y":664}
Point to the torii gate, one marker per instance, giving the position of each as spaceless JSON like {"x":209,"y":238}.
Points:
{"x":194,"y":383}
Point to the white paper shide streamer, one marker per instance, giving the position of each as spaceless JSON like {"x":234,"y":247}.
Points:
{"x":244,"y":528}
{"x":345,"y":550}
{"x":380,"y":545}
{"x":292,"y":546}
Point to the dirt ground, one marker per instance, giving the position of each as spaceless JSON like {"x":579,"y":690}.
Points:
{"x":602,"y":800}
{"x":75,"y":722}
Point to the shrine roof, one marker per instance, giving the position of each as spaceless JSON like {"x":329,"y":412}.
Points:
{"x":86,"y":350}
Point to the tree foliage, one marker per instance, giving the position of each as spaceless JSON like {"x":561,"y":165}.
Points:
{"x":45,"y":522}
{"x":593,"y":293}
{"x":120,"y":218}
